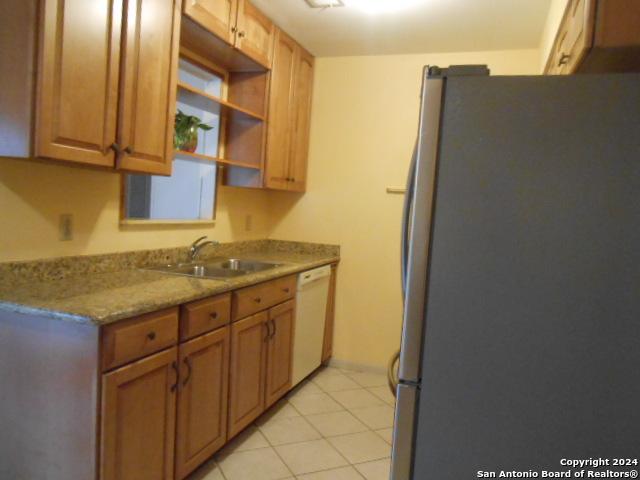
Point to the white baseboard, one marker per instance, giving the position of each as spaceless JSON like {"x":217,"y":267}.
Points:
{"x":358,"y":367}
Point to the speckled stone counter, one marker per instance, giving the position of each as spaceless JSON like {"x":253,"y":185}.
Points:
{"x":101,"y":289}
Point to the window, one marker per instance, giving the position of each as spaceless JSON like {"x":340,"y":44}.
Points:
{"x":189,"y":194}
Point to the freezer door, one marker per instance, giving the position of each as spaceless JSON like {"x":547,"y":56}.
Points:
{"x":532,"y":341}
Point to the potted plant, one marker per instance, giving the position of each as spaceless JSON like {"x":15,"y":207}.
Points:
{"x":186,"y":131}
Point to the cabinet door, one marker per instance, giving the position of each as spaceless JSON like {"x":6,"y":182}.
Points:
{"x":255,"y":33}
{"x":148,"y":90}
{"x":217,"y":16}
{"x":202,"y":400}
{"x":78,"y":80}
{"x":302,"y":95}
{"x":138,"y":419}
{"x":280,"y":353}
{"x":246,"y":380}
{"x":280,"y":113}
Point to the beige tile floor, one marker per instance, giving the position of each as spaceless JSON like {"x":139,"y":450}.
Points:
{"x":335,"y":426}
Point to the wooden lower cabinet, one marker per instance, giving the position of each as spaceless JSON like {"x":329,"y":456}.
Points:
{"x":202,"y":399}
{"x":280,"y":352}
{"x":249,"y":339}
{"x":164,"y":415}
{"x":138,"y":419}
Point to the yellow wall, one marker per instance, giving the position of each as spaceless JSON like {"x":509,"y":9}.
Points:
{"x":556,"y":10}
{"x":363,"y":127}
{"x":364,"y":123}
{"x":34,"y":194}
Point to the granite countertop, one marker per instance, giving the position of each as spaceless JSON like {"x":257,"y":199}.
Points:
{"x":101,"y":297}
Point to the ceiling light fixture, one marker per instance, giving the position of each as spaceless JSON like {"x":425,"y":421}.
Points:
{"x":325,"y":3}
{"x":382,"y":6}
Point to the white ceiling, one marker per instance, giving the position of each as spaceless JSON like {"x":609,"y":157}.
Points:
{"x":425,"y":26}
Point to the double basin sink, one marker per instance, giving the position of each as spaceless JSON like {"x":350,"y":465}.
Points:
{"x":217,"y":269}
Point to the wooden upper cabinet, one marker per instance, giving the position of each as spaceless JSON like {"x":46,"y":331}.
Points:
{"x":255,"y":33}
{"x":202,"y":399}
{"x":289,"y":116}
{"x":302,"y":96}
{"x":148,"y":92}
{"x":217,"y":16}
{"x":77,"y":103}
{"x":280,"y":119}
{"x":249,"y":339}
{"x":597,"y":36}
{"x":280,"y":351}
{"x":107,"y":83}
{"x":138,"y":419}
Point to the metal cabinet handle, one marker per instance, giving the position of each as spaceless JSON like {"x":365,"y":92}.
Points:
{"x":128,"y":150}
{"x":188,"y":364}
{"x":234,"y":29}
{"x":213,"y":315}
{"x":257,"y":299}
{"x":286,"y":290}
{"x":115,"y":147}
{"x":564,"y":59}
{"x":151,"y":335}
{"x":266,"y":339}
{"x":242,"y":34}
{"x":174,"y":365}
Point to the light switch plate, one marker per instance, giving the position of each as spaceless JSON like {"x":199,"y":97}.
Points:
{"x":65,"y":227}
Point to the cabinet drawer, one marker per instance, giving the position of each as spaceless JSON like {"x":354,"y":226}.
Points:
{"x":262,"y":296}
{"x":204,"y":316}
{"x":125,"y":341}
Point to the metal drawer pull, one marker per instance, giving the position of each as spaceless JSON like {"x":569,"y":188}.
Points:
{"x":188,"y":364}
{"x":213,"y":315}
{"x":128,"y":150}
{"x":257,"y":299}
{"x":151,"y":335}
{"x":286,"y":290}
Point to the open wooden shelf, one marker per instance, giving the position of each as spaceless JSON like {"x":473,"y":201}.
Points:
{"x":199,"y":156}
{"x":204,"y":43}
{"x":204,"y":101}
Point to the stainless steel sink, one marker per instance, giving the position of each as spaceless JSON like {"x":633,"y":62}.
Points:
{"x":216,"y":269}
{"x":237,"y":264}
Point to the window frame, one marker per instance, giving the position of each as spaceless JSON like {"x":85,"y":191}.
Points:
{"x":205,"y":64}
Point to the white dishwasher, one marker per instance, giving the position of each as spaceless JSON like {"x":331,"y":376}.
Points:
{"x":311,"y":309}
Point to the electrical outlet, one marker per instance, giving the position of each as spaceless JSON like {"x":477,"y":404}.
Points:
{"x":65,"y":227}
{"x":248,"y":223}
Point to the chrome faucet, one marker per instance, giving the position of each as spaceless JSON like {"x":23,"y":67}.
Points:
{"x":198,"y":245}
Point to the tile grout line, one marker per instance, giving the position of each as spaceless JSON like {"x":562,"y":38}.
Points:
{"x":286,"y":401}
{"x":325,"y":438}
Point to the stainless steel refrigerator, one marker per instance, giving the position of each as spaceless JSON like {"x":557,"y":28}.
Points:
{"x":521,"y":265}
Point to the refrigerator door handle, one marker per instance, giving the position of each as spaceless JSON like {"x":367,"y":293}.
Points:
{"x":406,"y":213}
{"x":419,"y":236}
